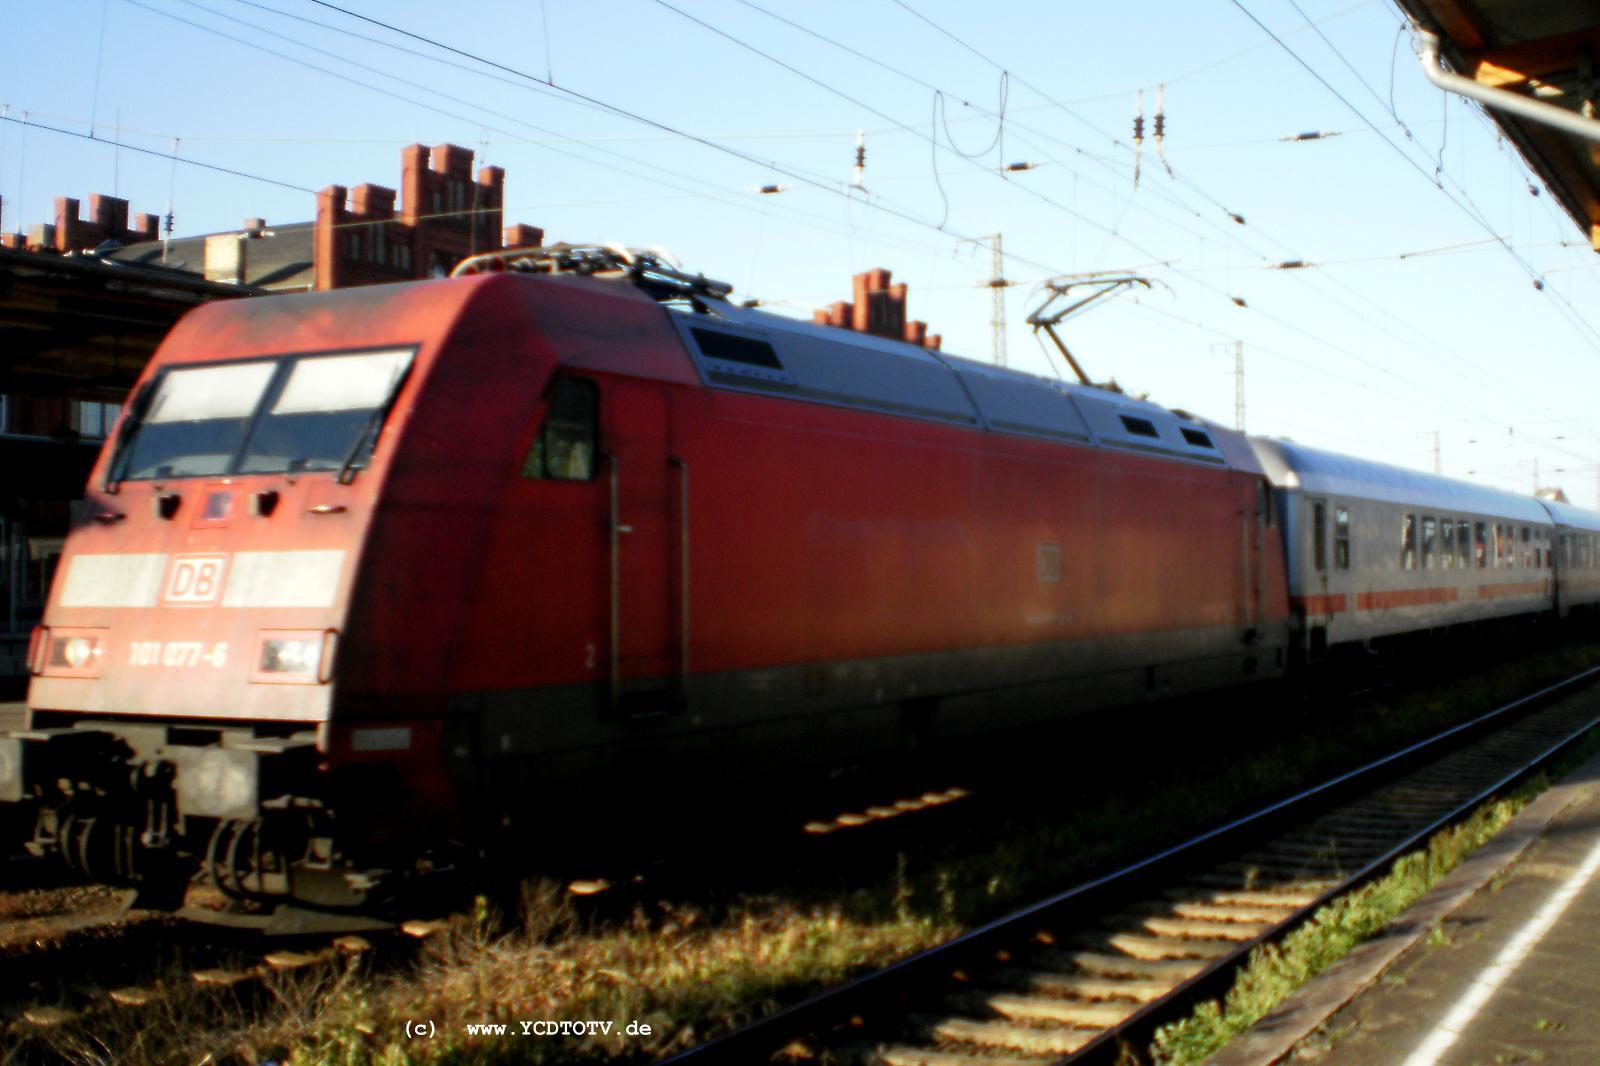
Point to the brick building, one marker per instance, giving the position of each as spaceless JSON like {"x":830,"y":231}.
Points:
{"x":446,"y":214}
{"x":51,"y":424}
{"x":879,"y":308}
{"x":108,"y":223}
{"x":365,"y":235}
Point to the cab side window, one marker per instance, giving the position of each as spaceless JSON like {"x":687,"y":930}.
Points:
{"x":565,"y":449}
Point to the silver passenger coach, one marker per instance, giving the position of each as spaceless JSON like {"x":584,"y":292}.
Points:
{"x":1375,"y":550}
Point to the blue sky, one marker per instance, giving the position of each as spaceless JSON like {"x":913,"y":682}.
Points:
{"x":1413,"y":319}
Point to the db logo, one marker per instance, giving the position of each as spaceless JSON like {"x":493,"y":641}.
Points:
{"x":194,"y":579}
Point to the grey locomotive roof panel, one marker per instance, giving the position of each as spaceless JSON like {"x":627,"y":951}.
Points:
{"x":818,"y":364}
{"x":1294,"y":466}
{"x":829,"y":365}
{"x":1020,"y":403}
{"x":1137,"y":425}
{"x":1572,"y":517}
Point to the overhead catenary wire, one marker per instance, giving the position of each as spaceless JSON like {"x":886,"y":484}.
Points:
{"x":1578,"y":322}
{"x":325,"y":5}
{"x":731,"y":202}
{"x":1068,"y":111}
{"x":213,"y":167}
{"x":654,"y":174}
{"x":1314,"y":337}
{"x":1276,"y":319}
{"x":1472,"y":212}
{"x":526,"y":77}
{"x":876,"y":203}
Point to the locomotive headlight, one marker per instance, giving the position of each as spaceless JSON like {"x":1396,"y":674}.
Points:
{"x":294,"y":656}
{"x":74,"y":653}
{"x":291,"y":656}
{"x":79,"y":651}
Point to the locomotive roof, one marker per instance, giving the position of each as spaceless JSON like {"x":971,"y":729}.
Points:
{"x":1295,"y":466}
{"x":801,"y":360}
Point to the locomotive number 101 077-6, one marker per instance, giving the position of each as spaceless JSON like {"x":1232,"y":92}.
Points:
{"x":177,"y":653}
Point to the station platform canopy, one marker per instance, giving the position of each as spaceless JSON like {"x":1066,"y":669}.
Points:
{"x":83,"y":327}
{"x":1548,"y":51}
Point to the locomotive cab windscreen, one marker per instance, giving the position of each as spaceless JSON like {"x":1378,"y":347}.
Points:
{"x":287,"y":415}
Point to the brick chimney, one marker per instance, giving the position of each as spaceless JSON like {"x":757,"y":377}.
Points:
{"x":878,"y":308}
{"x":108,"y":221}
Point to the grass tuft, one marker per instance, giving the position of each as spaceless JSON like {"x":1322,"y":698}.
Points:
{"x":1276,"y":970}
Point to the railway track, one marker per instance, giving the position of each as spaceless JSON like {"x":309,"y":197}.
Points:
{"x":71,"y":955}
{"x":67,"y":994}
{"x":1089,"y":975}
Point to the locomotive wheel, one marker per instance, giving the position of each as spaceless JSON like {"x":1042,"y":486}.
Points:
{"x":100,"y":849}
{"x":248,"y":859}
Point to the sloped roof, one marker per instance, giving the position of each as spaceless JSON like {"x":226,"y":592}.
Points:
{"x":1545,"y":50}
{"x":1320,"y":473}
{"x":279,"y":262}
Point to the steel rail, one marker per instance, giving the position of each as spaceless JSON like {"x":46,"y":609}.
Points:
{"x":1139,"y":1028}
{"x":756,"y":1041}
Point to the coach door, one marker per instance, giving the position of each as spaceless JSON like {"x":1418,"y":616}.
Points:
{"x":1316,"y":553}
{"x":1253,"y":523}
{"x":643,"y":541}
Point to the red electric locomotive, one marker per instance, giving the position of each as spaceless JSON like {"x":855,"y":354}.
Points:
{"x":372,"y":571}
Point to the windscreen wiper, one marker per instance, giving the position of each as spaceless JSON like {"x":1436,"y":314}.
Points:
{"x":122,"y":450}
{"x":347,"y":469}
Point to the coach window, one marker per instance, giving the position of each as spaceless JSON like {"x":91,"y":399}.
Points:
{"x":1480,"y":544}
{"x":1429,"y":530}
{"x":1527,"y":547}
{"x":1463,"y":544}
{"x":1341,"y":538}
{"x":1408,"y":542}
{"x":1447,"y":543}
{"x":565,"y":447}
